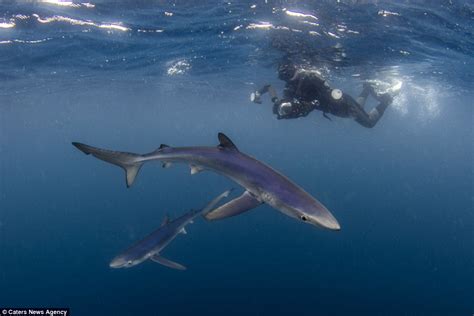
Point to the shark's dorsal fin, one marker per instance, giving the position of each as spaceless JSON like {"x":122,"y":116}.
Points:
{"x":225,"y":142}
{"x":165,"y":221}
{"x":163,"y":146}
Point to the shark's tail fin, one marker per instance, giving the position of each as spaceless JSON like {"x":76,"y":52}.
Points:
{"x":130,"y":162}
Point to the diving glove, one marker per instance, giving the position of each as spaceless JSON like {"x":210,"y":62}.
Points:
{"x":255,"y":97}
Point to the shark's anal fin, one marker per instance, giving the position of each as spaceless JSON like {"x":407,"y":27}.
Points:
{"x":183,"y":231}
{"x":225,"y":142}
{"x":243,"y":203}
{"x":167,"y":263}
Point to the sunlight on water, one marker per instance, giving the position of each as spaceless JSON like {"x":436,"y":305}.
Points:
{"x":261,"y":25}
{"x":300,"y":15}
{"x":59,"y":18}
{"x":178,"y":67}
{"x":68,"y":3}
{"x":7,"y":25}
{"x":386,"y":13}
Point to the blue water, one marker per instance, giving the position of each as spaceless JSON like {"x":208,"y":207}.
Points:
{"x":131,"y":75}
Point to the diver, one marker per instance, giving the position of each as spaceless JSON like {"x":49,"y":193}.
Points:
{"x":306,"y":90}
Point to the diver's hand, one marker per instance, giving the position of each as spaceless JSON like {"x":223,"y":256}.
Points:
{"x":255,"y":97}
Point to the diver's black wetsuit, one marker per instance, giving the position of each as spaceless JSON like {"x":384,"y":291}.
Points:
{"x":306,"y":91}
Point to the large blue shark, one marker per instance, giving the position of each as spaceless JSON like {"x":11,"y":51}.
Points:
{"x":262,"y":183}
{"x":151,"y":246}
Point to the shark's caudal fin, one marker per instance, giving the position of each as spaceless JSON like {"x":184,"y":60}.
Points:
{"x":168,"y":263}
{"x":243,"y":203}
{"x":130,"y":162}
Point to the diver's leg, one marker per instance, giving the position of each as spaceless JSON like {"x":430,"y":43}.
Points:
{"x":369,"y":120}
{"x":356,"y":111}
{"x":362,"y":98}
{"x":362,"y":117}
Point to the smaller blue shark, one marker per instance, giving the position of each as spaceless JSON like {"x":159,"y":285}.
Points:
{"x":151,"y":246}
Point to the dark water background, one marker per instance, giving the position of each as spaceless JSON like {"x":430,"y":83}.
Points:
{"x":132,"y":75}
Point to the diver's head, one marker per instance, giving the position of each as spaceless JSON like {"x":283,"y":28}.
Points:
{"x":286,"y":71}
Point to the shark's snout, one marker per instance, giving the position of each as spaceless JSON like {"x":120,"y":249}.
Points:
{"x":329,"y":222}
{"x":119,"y":262}
{"x":115,"y":264}
{"x":316,"y":214}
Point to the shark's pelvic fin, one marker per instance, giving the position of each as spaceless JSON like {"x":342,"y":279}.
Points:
{"x":196,"y":169}
{"x":163,"y":146}
{"x":243,"y":203}
{"x":183,"y":231}
{"x":130,"y":162}
{"x":225,"y":142}
{"x":166,"y":164}
{"x":165,"y":221}
{"x":168,"y":263}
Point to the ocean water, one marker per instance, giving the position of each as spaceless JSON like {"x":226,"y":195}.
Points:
{"x":130,"y":75}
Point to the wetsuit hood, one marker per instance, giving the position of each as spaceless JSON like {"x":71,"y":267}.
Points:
{"x":286,"y":71}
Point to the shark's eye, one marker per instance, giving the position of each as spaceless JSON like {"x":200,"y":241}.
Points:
{"x":129,"y":262}
{"x":304,"y":218}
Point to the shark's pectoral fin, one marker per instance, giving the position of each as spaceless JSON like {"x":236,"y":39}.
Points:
{"x":238,"y":205}
{"x":168,"y":263}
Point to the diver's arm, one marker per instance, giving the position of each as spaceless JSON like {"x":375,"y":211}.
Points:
{"x":298,"y":74}
{"x":299,"y":77}
{"x":362,"y":98}
{"x":273,"y":94}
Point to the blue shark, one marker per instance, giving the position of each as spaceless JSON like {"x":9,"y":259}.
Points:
{"x":262,"y":183}
{"x":151,"y":246}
